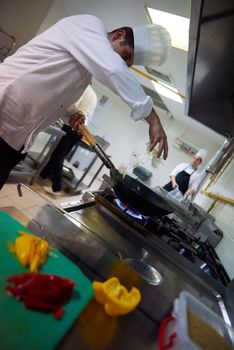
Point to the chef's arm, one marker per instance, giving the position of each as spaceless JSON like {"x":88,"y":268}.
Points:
{"x":173,"y":181}
{"x":189,"y":191}
{"x":174,"y":173}
{"x":82,"y":111}
{"x":74,"y":118}
{"x":86,"y":41}
{"x":70,"y":111}
{"x":157,"y":134}
{"x":193,"y":184}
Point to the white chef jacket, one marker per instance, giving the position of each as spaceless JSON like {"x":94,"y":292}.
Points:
{"x":188,"y":168}
{"x":45,"y":76}
{"x":86,"y":104}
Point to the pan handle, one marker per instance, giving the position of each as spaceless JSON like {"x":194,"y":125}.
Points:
{"x":87,"y":135}
{"x":93,"y":143}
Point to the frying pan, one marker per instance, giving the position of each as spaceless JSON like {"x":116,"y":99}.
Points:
{"x":129,"y":190}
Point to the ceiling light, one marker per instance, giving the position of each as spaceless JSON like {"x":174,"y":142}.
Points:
{"x":177,"y":26}
{"x":164,"y":91}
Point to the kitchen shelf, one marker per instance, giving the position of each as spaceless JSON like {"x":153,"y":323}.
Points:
{"x":185,"y":146}
{"x":34,"y":162}
{"x":83,"y":153}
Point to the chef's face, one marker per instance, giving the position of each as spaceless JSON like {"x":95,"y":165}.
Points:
{"x":196,"y":161}
{"x":120,"y":46}
{"x":127,"y":54}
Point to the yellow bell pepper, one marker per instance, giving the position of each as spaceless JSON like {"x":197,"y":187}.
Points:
{"x":30,"y":250}
{"x":115,"y":297}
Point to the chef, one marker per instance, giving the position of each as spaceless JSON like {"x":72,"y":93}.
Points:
{"x":185,"y":175}
{"x":48,"y":74}
{"x":85,"y":106}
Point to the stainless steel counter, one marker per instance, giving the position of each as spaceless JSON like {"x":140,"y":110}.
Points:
{"x":96,"y":241}
{"x":93,"y":329}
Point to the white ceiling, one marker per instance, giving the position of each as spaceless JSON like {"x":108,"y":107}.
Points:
{"x":133,"y":13}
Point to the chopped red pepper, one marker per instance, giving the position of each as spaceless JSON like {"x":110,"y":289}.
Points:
{"x":31,"y":303}
{"x":59,"y":313}
{"x":20,"y":278}
{"x":44,"y":292}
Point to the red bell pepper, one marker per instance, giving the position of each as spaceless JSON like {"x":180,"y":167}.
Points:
{"x":44,"y":292}
{"x":20,"y":278}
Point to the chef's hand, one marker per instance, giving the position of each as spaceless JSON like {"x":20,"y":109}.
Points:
{"x":189,"y":192}
{"x":173,"y":182}
{"x":75,"y":120}
{"x":157,"y":135}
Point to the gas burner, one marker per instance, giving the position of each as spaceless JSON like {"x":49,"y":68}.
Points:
{"x":202,"y":254}
{"x":128,"y":210}
{"x":113,"y":198}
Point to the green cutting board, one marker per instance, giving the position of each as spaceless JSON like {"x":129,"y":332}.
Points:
{"x":26,"y":329}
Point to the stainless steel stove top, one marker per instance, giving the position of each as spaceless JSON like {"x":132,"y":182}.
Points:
{"x":105,"y":244}
{"x":167,"y":230}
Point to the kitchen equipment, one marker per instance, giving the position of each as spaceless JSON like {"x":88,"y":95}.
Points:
{"x":146,"y":271}
{"x":142,"y":173}
{"x":193,"y":324}
{"x":68,"y":172}
{"x":192,"y":239}
{"x":100,"y":235}
{"x":176,"y":194}
{"x":193,"y":219}
{"x":38,"y":160}
{"x":27,"y":329}
{"x":221,"y":157}
{"x":129,"y":190}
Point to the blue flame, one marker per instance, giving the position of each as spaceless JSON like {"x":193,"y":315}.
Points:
{"x":127,"y":210}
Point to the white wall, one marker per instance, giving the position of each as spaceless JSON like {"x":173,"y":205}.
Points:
{"x":116,"y":13}
{"x":113,"y":123}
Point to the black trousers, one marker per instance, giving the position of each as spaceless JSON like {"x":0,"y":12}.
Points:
{"x":182,"y":180}
{"x":54,"y":168}
{"x":9,"y":157}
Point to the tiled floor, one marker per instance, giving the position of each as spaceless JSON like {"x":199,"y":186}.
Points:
{"x":30,"y":201}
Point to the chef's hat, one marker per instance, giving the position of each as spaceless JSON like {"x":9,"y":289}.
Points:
{"x":201,"y":153}
{"x":151,"y":45}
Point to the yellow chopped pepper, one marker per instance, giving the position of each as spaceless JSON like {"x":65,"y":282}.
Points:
{"x":115,"y":297}
{"x":30,"y":250}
